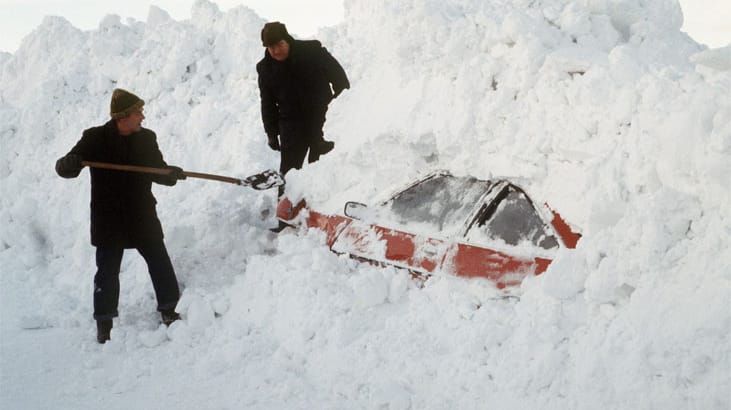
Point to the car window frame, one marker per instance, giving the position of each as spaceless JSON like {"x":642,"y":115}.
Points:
{"x":489,"y":196}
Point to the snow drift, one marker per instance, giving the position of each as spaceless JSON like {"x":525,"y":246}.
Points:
{"x":602,"y":108}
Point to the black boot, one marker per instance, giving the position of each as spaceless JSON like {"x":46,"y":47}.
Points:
{"x":103,"y":330}
{"x":169,"y":316}
{"x":324,"y":146}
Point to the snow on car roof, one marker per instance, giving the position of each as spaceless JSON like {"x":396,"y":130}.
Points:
{"x":439,"y":204}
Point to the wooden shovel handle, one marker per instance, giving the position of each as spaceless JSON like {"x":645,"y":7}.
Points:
{"x":160,"y":171}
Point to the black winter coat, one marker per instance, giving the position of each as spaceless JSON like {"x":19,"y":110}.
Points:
{"x":296,"y":90}
{"x":122,"y":205}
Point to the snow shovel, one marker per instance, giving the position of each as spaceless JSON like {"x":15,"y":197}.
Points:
{"x":261,"y":181}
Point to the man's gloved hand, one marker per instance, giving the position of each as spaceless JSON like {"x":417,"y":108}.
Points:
{"x":172,"y":178}
{"x":273,"y":142}
{"x":69,"y":166}
{"x":177,"y":172}
{"x":72,"y":162}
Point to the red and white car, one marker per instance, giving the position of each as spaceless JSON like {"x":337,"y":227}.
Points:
{"x":442,"y":223}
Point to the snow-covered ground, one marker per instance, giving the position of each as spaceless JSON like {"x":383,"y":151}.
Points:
{"x":604,"y":109}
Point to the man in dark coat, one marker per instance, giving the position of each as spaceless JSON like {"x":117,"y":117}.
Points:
{"x":295,"y":79}
{"x":123,"y":211}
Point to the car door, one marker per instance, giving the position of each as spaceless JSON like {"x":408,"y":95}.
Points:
{"x":416,"y":252}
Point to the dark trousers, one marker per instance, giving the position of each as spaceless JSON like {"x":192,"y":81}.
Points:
{"x":293,"y":157}
{"x":299,"y":137}
{"x":106,"y":280}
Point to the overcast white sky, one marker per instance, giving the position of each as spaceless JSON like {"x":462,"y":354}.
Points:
{"x":19,"y":17}
{"x":707,"y":21}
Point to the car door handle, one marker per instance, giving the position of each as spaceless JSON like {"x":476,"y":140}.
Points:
{"x":428,"y":249}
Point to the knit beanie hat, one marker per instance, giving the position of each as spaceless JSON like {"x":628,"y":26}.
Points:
{"x":273,"y":33}
{"x":123,"y":103}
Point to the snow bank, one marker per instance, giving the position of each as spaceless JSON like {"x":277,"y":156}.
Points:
{"x":602,"y":108}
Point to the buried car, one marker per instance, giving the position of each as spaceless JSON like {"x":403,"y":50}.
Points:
{"x":459,"y":225}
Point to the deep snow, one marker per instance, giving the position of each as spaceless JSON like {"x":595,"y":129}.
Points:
{"x":602,"y":108}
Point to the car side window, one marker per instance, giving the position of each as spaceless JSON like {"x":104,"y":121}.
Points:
{"x":512,"y":219}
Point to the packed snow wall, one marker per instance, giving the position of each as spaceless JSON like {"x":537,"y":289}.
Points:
{"x":604,"y":109}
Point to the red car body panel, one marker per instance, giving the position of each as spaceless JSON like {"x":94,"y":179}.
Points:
{"x":422,"y":254}
{"x":569,"y":237}
{"x":402,"y":249}
{"x":505,"y":270}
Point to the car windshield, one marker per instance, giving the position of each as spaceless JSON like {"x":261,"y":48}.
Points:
{"x":439,"y":204}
